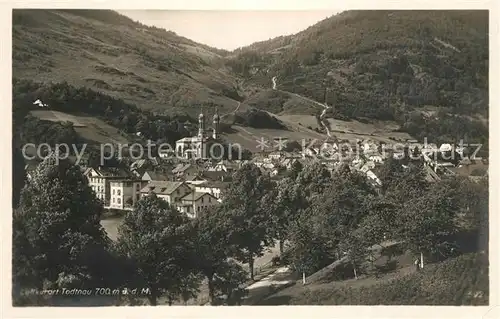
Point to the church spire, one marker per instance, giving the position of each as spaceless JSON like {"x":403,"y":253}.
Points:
{"x":201,"y":123}
{"x":215,"y":124}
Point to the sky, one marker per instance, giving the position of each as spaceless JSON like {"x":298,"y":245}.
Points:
{"x":229,"y":29}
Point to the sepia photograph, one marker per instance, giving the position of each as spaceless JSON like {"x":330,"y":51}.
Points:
{"x":237,"y":158}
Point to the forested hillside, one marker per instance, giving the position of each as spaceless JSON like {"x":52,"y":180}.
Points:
{"x":108,"y":52}
{"x":426,"y":69}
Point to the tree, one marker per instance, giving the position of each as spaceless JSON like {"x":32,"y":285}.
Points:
{"x":245,"y":210}
{"x":340,"y":208}
{"x":356,"y":250}
{"x":156,"y":239}
{"x":292,"y":146}
{"x":308,"y":249}
{"x":410,"y":183}
{"x":211,"y":248}
{"x":389,"y":172}
{"x":313,"y":179}
{"x":228,"y":284}
{"x":289,"y":202}
{"x":295,"y":170}
{"x":57,"y":229}
{"x":425,"y":222}
{"x":18,"y":175}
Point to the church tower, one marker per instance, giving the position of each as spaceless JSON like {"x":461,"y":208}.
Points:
{"x":200,"y":147}
{"x":201,"y":125}
{"x":216,"y":122}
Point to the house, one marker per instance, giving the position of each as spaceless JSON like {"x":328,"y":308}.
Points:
{"x":288,"y":162}
{"x":367,"y":166}
{"x":207,"y":176}
{"x":194,"y":203}
{"x":374,"y":156}
{"x":276,"y":156}
{"x":166,"y":154}
{"x":373,"y":178}
{"x":213,"y":188}
{"x":224,"y":166}
{"x":140,"y":166}
{"x":171,"y":192}
{"x":184,"y":169}
{"x":154,"y":176}
{"x":99,"y":180}
{"x":125,"y":193}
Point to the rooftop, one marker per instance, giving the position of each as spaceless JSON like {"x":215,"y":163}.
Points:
{"x":194,"y":196}
{"x":161,"y":187}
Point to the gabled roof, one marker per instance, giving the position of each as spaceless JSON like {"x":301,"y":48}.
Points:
{"x":216,"y":184}
{"x":195,"y":196}
{"x":156,"y":176}
{"x":216,"y":176}
{"x":109,"y":172}
{"x":181,"y":168}
{"x":161,"y":187}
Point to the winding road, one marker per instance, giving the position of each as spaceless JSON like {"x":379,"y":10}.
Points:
{"x":325,"y":106}
{"x":233,"y":112}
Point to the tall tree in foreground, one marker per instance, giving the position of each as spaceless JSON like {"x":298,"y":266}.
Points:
{"x":58,"y":239}
{"x":228,"y":284}
{"x":287,"y":206}
{"x":308,"y":250}
{"x":425,"y":222}
{"x":156,"y":239}
{"x":18,"y":175}
{"x":313,"y":179}
{"x":355,"y":248}
{"x":245,"y":209}
{"x":211,"y":250}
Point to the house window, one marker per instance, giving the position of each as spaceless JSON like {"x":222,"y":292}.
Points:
{"x":113,"y":191}
{"x":114,"y":200}
{"x":119,"y":201}
{"x":118,"y":192}
{"x":202,"y":200}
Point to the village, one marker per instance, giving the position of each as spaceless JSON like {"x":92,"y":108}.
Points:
{"x":192,"y":181}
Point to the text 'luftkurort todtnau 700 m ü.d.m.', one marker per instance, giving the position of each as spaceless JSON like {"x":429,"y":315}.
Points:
{"x":92,"y":292}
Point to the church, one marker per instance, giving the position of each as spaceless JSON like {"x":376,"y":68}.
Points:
{"x":198,"y":147}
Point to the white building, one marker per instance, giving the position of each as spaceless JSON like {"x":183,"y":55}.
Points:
{"x":213,"y":188}
{"x":194,"y":203}
{"x":197,"y":147}
{"x":171,"y":192}
{"x":125,"y":193}
{"x":99,"y":180}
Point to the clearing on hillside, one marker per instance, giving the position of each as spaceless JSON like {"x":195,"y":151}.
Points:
{"x":88,"y":127}
{"x":352,"y":130}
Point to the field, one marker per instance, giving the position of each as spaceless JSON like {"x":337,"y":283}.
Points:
{"x":89,"y":128}
{"x":458,"y":281}
{"x":298,"y":130}
{"x":352,"y":130}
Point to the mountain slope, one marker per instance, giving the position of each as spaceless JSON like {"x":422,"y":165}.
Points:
{"x":380,"y":64}
{"x":150,"y":67}
{"x":425,"y":70}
